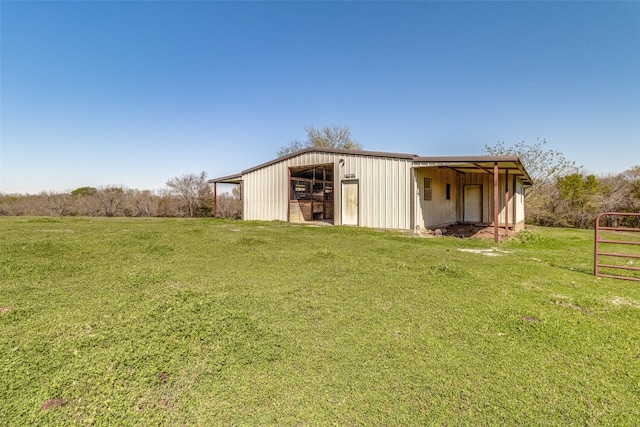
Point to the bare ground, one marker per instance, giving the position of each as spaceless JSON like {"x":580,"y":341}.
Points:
{"x":471,"y":231}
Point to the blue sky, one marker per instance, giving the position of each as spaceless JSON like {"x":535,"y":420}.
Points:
{"x":135,"y":93}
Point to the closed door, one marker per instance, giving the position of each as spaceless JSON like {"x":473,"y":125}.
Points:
{"x":350,"y":203}
{"x":473,"y":203}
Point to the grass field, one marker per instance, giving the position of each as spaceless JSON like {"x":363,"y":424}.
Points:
{"x":211,"y":322}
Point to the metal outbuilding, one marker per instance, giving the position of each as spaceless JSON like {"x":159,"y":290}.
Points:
{"x":384,"y":190}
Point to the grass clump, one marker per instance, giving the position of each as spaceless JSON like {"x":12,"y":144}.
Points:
{"x":213,"y":322}
{"x":527,"y":236}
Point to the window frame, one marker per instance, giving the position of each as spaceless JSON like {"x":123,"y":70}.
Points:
{"x":428,"y":189}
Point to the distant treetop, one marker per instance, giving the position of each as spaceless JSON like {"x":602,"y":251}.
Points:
{"x":332,"y":136}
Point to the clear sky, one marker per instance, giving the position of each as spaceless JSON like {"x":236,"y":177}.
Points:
{"x":134,"y":93}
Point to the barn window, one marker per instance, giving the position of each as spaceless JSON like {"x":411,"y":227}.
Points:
{"x":448,"y":191}
{"x":427,"y":189}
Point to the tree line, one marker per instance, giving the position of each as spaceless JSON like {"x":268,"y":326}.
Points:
{"x":575,"y":199}
{"x":185,"y":196}
{"x":564,"y":195}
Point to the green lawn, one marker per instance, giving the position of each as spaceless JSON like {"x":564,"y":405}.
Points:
{"x":211,"y":322}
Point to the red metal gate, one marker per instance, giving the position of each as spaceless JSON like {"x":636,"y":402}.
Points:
{"x":620,"y":237}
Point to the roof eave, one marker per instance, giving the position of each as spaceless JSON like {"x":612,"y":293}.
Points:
{"x":229,"y":179}
{"x":475,"y":162}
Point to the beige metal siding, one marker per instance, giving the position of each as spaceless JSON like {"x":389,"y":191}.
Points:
{"x":516,"y":197}
{"x":439,"y":210}
{"x":519,"y":201}
{"x":515,"y":202}
{"x":260,"y":204}
{"x":384,"y":188}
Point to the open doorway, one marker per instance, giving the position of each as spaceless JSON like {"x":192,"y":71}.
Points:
{"x":311,"y":193}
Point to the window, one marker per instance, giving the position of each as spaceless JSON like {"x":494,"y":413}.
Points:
{"x":427,"y":189}
{"x":448,"y":191}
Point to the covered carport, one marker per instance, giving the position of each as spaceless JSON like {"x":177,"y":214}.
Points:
{"x":500,"y":168}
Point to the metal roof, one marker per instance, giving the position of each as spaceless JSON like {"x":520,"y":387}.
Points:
{"x":475,"y":164}
{"x":460,"y":164}
{"x":229,"y":179}
{"x":334,"y":151}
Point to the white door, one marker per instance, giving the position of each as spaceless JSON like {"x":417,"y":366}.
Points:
{"x":349,"y":203}
{"x":473,"y":203}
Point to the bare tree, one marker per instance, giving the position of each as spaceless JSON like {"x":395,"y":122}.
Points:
{"x":542,"y":164}
{"x":327,"y":137}
{"x":111,"y":200}
{"x":141,"y":203}
{"x":54,"y":204}
{"x":631,"y":178}
{"x":229,"y":205}
{"x":194,"y":193}
{"x":11,"y":204}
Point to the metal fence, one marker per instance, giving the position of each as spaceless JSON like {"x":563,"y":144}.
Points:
{"x":618,"y":245}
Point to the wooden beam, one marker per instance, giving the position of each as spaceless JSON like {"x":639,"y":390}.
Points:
{"x":452,"y":169}
{"x":495,"y":165}
{"x":215,"y":200}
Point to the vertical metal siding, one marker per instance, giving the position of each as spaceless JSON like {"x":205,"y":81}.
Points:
{"x":438,"y":210}
{"x":267,"y":193}
{"x":384,"y":188}
{"x":516,"y":199}
{"x":386,"y":195}
{"x":519,"y":201}
{"x":460,"y":197}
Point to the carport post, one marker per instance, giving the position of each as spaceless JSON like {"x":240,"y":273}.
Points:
{"x":215,"y":200}
{"x":496,"y":200}
{"x":506,"y":202}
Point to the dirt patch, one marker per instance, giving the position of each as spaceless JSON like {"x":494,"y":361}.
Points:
{"x":53,"y":403}
{"x":618,"y":301}
{"x":530,"y":319}
{"x":163,"y":377}
{"x":5,"y":309}
{"x":165,"y":403}
{"x":318,"y":223}
{"x":485,"y":252}
{"x":472,"y":231}
{"x":462,"y":231}
{"x":572,"y":306}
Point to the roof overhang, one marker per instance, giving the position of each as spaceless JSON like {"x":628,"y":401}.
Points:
{"x":477,"y":164}
{"x":229,"y":179}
